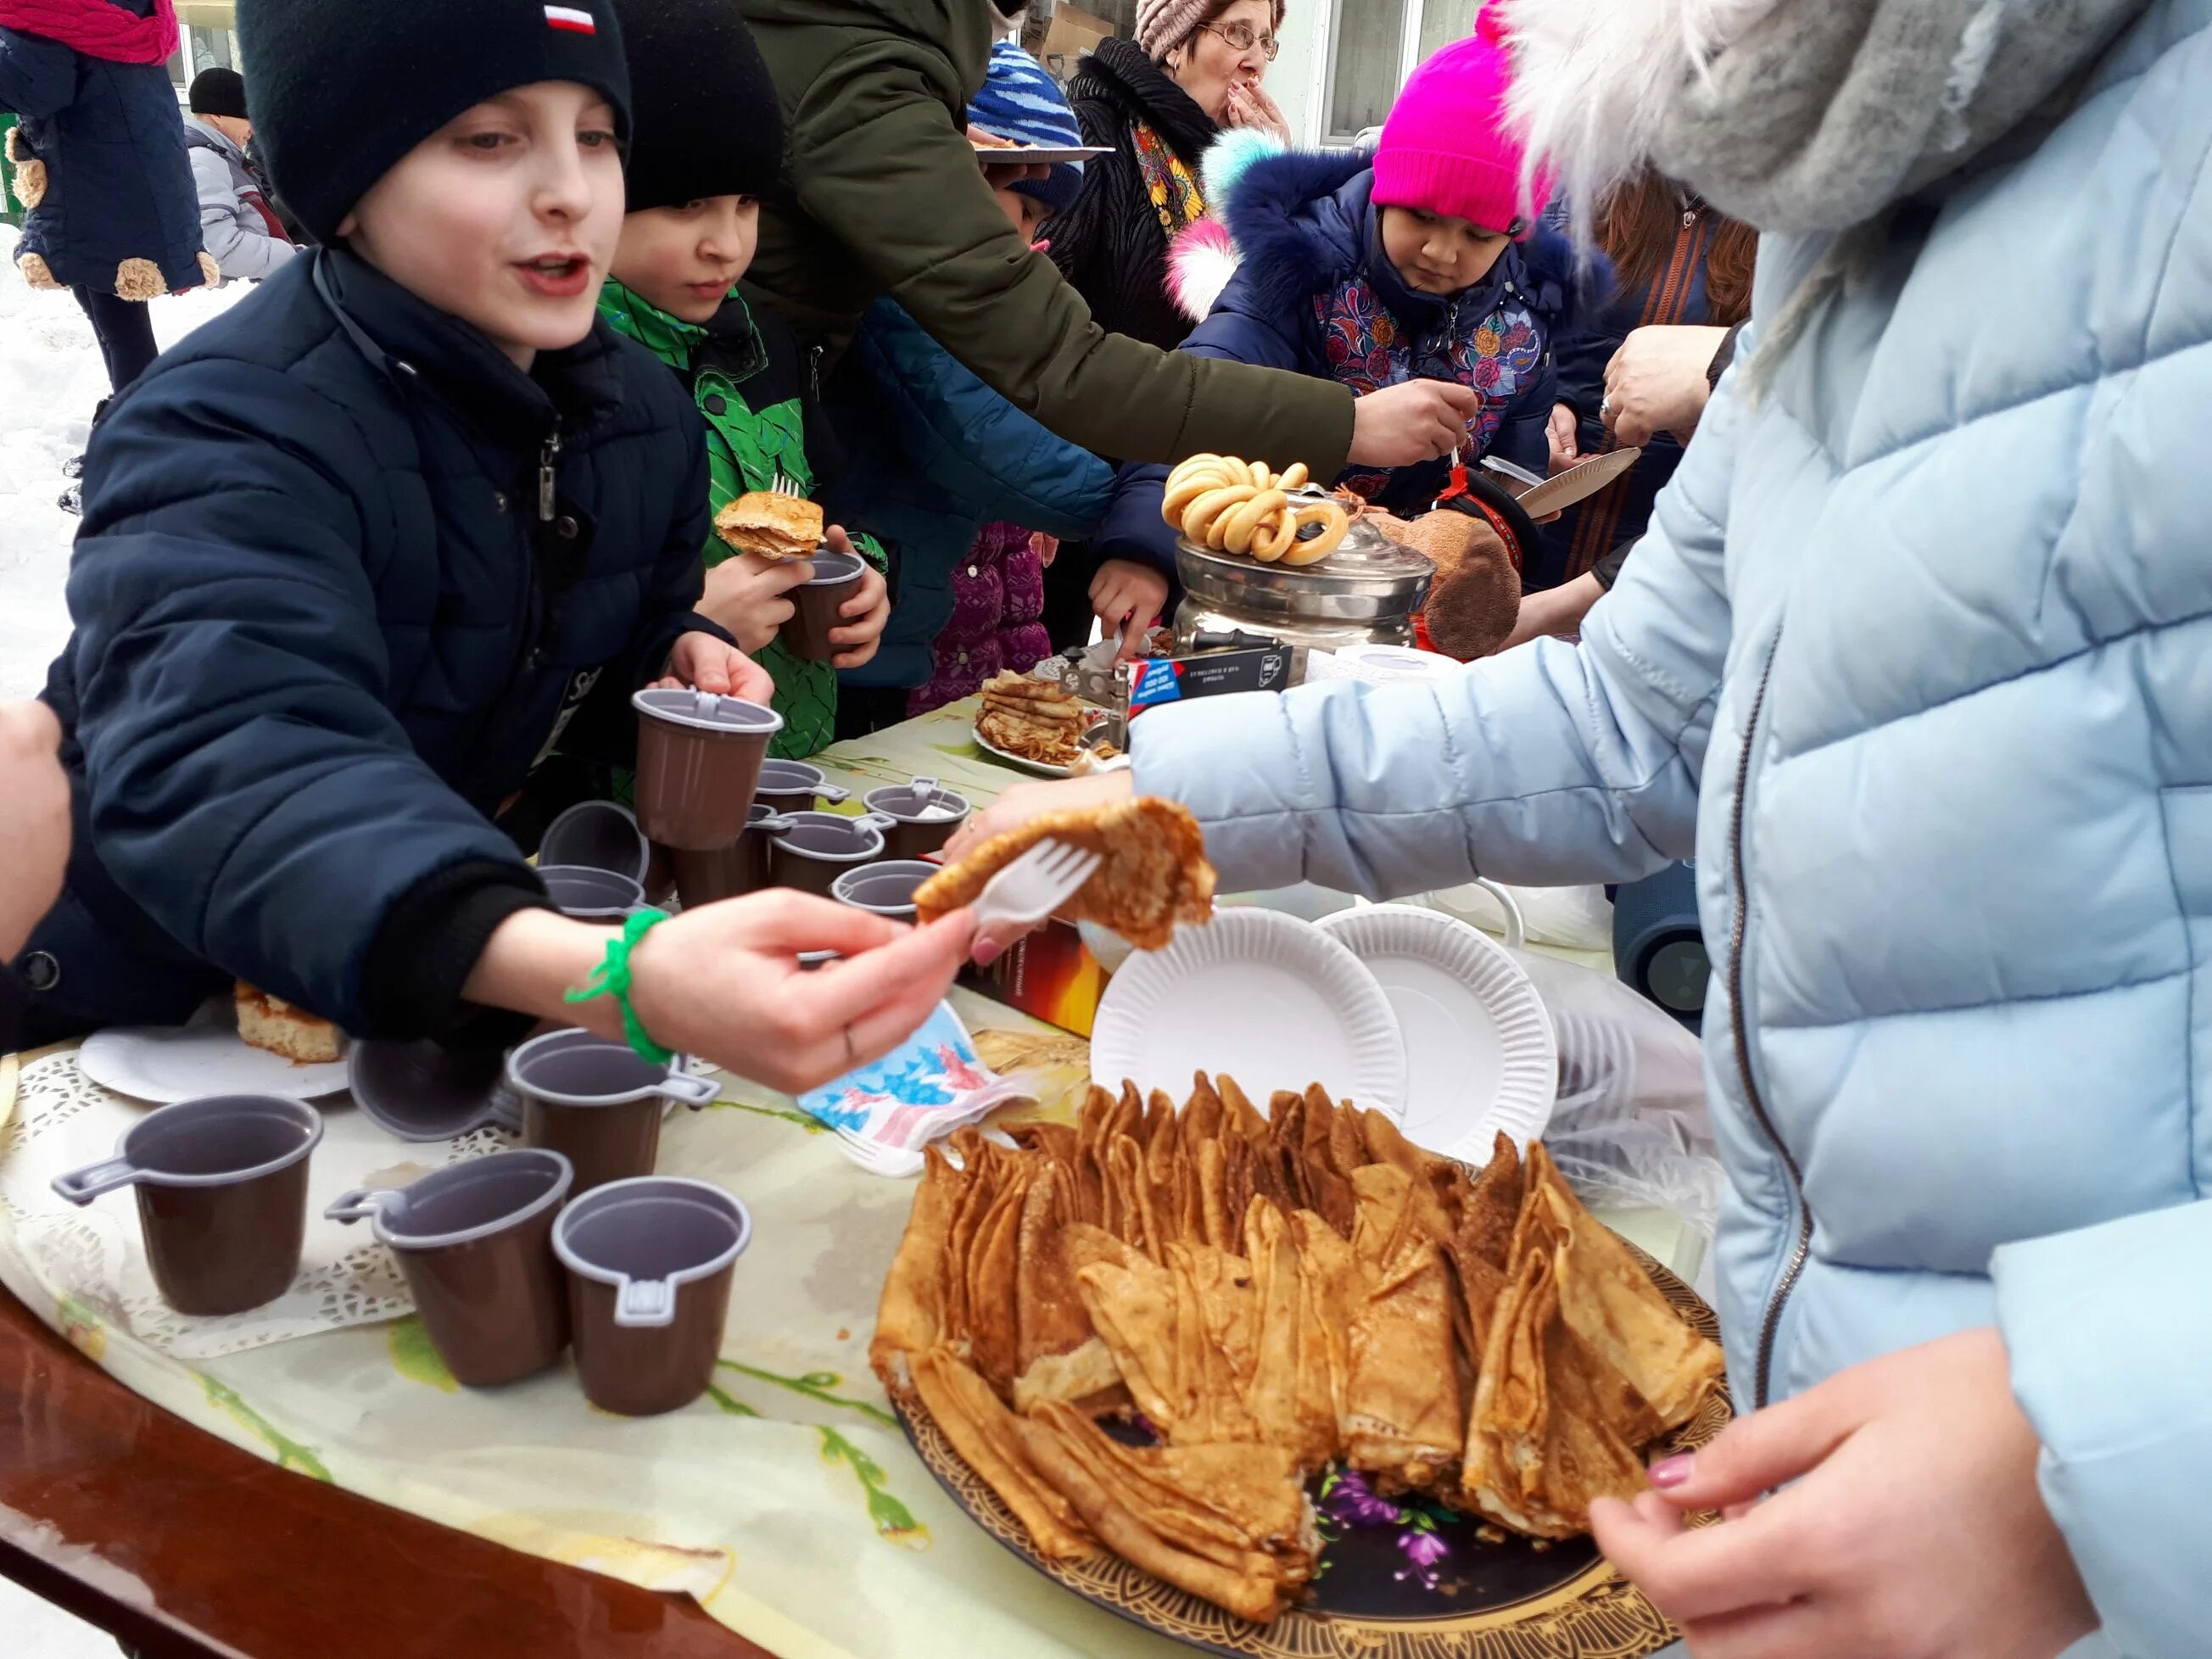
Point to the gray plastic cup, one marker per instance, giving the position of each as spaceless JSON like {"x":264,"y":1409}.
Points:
{"x":698,"y":758}
{"x":925,"y":814}
{"x":728,"y":871}
{"x":475,"y":1242}
{"x":649,"y":1265}
{"x":598,"y":1103}
{"x":819,"y":847}
{"x":884,"y":889}
{"x":789,"y":786}
{"x":597,"y":835}
{"x":815,"y":605}
{"x":222,"y":1197}
{"x":585,"y":894}
{"x":422,"y":1092}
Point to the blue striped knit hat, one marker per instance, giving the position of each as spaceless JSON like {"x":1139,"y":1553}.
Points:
{"x":1021,"y":102}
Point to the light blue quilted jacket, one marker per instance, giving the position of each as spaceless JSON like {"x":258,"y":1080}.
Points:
{"x":1917,"y":661}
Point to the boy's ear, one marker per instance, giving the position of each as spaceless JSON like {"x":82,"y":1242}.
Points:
{"x":348,"y":225}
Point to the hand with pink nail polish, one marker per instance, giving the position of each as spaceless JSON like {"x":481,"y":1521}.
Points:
{"x":1907,"y":1524}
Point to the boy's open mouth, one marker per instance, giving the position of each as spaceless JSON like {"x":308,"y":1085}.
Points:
{"x":556,"y":275}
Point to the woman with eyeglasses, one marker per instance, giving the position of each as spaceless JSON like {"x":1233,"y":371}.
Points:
{"x":1160,"y":100}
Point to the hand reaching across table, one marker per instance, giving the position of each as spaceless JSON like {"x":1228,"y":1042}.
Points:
{"x":1906,"y":1524}
{"x":723,"y":982}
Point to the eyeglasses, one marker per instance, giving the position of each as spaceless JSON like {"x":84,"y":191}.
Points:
{"x":1243,"y":37}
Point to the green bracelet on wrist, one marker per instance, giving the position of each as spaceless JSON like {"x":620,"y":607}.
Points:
{"x":613,"y":979}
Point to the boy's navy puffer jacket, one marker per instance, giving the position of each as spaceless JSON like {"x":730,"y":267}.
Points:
{"x":100,"y":164}
{"x":331,"y":608}
{"x":1314,"y":293}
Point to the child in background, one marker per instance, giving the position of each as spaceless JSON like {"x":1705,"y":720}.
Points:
{"x":710,"y":140}
{"x":360,"y":552}
{"x":243,"y":234}
{"x":1412,"y":266}
{"x":956,"y":478}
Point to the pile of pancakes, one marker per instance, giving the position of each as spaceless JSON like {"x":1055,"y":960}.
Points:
{"x":1267,"y":1298}
{"x":1032,"y":718}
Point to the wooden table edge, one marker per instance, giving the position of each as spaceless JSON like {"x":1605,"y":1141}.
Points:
{"x":181,"y":1546}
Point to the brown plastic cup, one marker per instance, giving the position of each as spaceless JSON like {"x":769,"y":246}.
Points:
{"x":814,"y":606}
{"x":729,"y":871}
{"x":584,"y":894}
{"x":818,"y":847}
{"x":698,"y":758}
{"x":649,"y":1264}
{"x":596,"y":835}
{"x":222,"y":1197}
{"x":597,"y":1103}
{"x":475,"y":1242}
{"x":884,"y":889}
{"x":789,"y":786}
{"x":923,"y":817}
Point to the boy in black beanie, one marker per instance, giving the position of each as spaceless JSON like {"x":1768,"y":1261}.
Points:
{"x":709,"y":143}
{"x":360,"y":552}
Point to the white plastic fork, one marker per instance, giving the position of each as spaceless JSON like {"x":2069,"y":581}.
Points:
{"x":785,"y":484}
{"x":1035,"y":885}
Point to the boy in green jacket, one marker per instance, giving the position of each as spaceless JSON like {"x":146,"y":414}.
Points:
{"x":709,"y":139}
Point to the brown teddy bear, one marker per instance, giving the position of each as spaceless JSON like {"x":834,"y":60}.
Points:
{"x":1476,"y":596}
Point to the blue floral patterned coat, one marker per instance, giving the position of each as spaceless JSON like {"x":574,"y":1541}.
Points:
{"x":1313,"y":292}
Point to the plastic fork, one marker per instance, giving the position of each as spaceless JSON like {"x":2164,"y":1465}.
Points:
{"x":1034,"y":885}
{"x":785,"y":484}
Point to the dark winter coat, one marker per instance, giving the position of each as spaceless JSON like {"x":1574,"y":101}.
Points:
{"x":1111,"y":244}
{"x":100,"y":163}
{"x":882,"y":196}
{"x":345,"y":573}
{"x":937,"y":454}
{"x":1314,"y":294}
{"x":1592,"y":534}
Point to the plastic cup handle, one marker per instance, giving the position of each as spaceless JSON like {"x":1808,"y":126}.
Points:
{"x":831,"y":792}
{"x":1517,"y":930}
{"x":645,"y":1304}
{"x":82,"y":1186}
{"x":506,"y":1107}
{"x":359,"y":1204}
{"x":691,"y":1089}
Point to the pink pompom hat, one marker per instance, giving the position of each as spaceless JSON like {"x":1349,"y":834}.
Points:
{"x":1448,"y":145}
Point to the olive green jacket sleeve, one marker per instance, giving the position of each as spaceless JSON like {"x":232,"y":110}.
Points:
{"x":875,"y":160}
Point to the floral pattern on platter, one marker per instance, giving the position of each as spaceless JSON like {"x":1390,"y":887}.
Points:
{"x":1347,"y":1499}
{"x":1367,"y":350}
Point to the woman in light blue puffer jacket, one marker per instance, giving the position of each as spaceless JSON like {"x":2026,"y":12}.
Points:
{"x":1917,"y":661}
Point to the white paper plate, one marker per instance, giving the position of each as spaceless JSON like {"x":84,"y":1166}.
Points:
{"x":206,"y":1057}
{"x":1038,"y":155}
{"x":1042,"y":768}
{"x":1480,"y":1053}
{"x":1264,"y":998}
{"x":1582,"y":479}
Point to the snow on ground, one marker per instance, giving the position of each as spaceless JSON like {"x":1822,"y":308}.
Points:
{"x":50,"y":377}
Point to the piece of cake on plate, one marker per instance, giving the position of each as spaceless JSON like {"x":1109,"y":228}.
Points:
{"x":270,"y":1022}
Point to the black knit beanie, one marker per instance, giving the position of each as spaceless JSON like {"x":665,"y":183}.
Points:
{"x":218,"y":92}
{"x":342,"y":89}
{"x":707,"y":122}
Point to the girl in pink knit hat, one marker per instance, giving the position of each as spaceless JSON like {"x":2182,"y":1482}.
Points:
{"x":1426,"y":261}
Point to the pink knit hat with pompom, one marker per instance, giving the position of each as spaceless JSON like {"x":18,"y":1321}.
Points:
{"x":1448,"y":146}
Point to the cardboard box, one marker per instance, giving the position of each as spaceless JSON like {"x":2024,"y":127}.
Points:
{"x":1072,"y":33}
{"x":1050,"y":976}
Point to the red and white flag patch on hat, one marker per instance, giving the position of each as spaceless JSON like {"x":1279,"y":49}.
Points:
{"x":572,"y":19}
